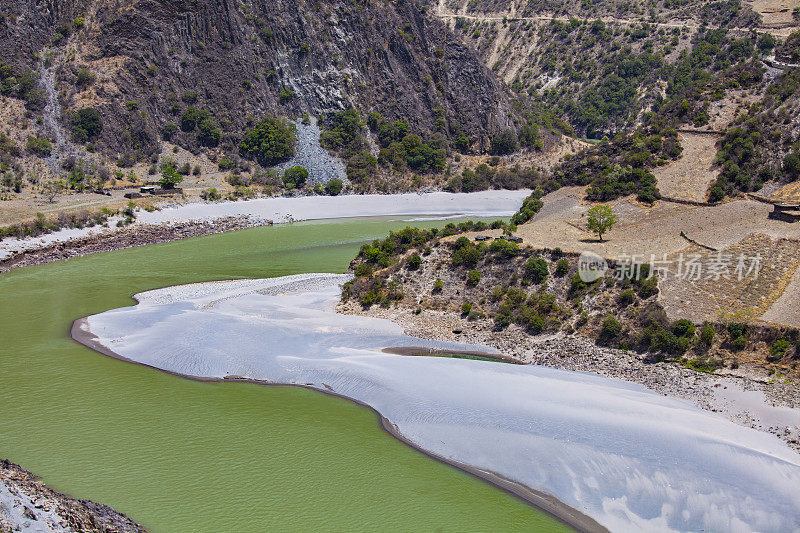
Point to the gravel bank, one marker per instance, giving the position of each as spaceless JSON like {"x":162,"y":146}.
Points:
{"x":27,"y":504}
{"x":127,"y":237}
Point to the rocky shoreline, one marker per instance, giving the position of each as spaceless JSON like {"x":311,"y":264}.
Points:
{"x":27,"y":504}
{"x":743,"y":396}
{"x":128,"y":237}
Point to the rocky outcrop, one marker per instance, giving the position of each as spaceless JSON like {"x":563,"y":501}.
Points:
{"x":27,"y":504}
{"x":240,"y":61}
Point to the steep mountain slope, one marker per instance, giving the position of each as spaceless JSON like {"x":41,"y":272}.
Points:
{"x":142,"y":64}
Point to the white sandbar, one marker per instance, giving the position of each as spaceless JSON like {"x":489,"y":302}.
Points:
{"x":629,"y":458}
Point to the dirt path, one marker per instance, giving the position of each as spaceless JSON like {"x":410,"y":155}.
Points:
{"x":694,"y":26}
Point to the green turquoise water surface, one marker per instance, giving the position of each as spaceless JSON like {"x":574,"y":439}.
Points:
{"x":178,"y":455}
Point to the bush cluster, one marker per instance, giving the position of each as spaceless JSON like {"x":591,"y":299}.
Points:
{"x":270,"y":142}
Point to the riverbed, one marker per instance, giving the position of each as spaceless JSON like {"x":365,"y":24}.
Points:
{"x":622,"y":455}
{"x":178,"y":455}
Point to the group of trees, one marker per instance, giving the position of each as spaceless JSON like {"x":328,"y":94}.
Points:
{"x":760,"y":145}
{"x":270,"y":142}
{"x":86,"y":125}
{"x":401,"y":149}
{"x":200,"y":120}
{"x":23,"y":86}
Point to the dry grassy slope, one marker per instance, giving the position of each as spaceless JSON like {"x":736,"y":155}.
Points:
{"x":731,"y":298}
{"x":689,"y":177}
{"x":788,"y":193}
{"x":776,"y":13}
{"x":505,"y":32}
{"x":737,"y":227}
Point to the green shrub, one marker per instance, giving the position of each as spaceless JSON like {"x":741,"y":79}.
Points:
{"x":84,"y":77}
{"x":334,"y":187}
{"x":663,"y":340}
{"x":648,"y":288}
{"x":536,"y":270}
{"x":683,"y":328}
{"x":86,"y":124}
{"x":716,"y":194}
{"x":39,"y":146}
{"x":700,"y":365}
{"x":168,"y":130}
{"x":286,"y":96}
{"x":270,"y":142}
{"x":414,"y":262}
{"x":438,"y":286}
{"x":370,"y":298}
{"x":210,"y":194}
{"x":739,"y":343}
{"x":505,"y":142}
{"x":504,"y":248}
{"x":295,"y":177}
{"x":169,"y":175}
{"x":190,"y":118}
{"x":208,"y":133}
{"x":626,"y":298}
{"x":530,"y":206}
{"x":466,"y":307}
{"x":341,"y":130}
{"x":473,"y":277}
{"x":466,"y":255}
{"x":778,"y":349}
{"x":364,"y":270}
{"x":791,"y":165}
{"x":394,"y":290}
{"x":533,"y":323}
{"x":226,"y":163}
{"x":577,"y":285}
{"x":562,"y":267}
{"x":736,"y":329}
{"x":361,"y":166}
{"x":611,"y":328}
{"x":648,"y":194}
{"x":707,"y":334}
{"x":503,"y":318}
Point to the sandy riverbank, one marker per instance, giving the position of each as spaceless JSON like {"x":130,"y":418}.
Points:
{"x":746,"y":396}
{"x":27,"y":504}
{"x":81,"y":333}
{"x":552,"y":431}
{"x":196,"y":219}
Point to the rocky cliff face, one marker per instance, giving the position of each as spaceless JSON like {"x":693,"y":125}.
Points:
{"x":240,"y":60}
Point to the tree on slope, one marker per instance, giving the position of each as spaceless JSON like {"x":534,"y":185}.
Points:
{"x":601,"y":218}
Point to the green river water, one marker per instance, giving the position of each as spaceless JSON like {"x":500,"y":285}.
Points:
{"x":178,"y":455}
